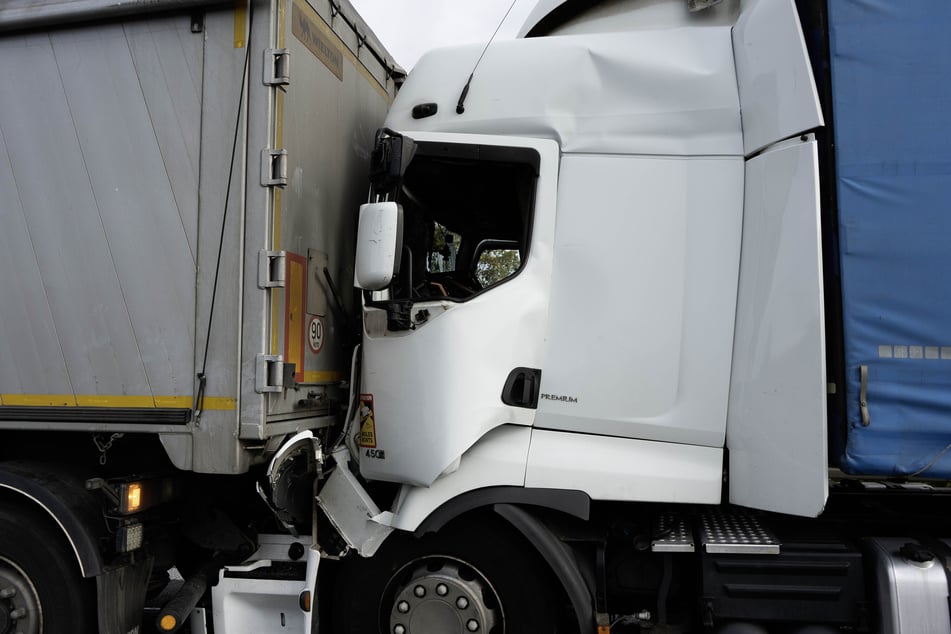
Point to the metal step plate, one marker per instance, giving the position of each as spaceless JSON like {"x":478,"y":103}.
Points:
{"x":673,"y":535}
{"x":736,"y":533}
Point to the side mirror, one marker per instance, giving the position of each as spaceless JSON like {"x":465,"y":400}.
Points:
{"x":379,"y":242}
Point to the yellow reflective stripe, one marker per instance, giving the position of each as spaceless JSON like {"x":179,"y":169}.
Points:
{"x":321,"y":376}
{"x":52,"y":400}
{"x":294,"y":312}
{"x":274,"y":348}
{"x":175,"y":402}
{"x":240,"y":23}
{"x":221,"y":403}
{"x":95,"y":400}
{"x":218,"y":403}
{"x":281,"y":23}
{"x":278,"y":193}
{"x":276,"y":238}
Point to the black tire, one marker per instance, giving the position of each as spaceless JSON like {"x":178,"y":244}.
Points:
{"x":507,"y":587}
{"x":41,"y":588}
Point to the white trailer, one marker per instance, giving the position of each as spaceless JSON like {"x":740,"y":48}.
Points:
{"x":176,"y":186}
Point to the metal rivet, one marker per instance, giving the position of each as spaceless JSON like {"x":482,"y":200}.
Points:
{"x":419,"y":591}
{"x":442,"y":590}
{"x":462,"y":603}
{"x":472,"y":625}
{"x":403,"y":607}
{"x":19,"y":613}
{"x":6,"y":593}
{"x":399,"y":629}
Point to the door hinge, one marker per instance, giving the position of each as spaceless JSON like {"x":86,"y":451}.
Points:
{"x":268,"y":373}
{"x":273,"y":167}
{"x":277,"y":67}
{"x":272,"y":271}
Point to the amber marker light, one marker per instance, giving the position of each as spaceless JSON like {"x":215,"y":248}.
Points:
{"x":132,"y":501}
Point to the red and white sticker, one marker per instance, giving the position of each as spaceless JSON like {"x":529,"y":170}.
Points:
{"x":315,"y":334}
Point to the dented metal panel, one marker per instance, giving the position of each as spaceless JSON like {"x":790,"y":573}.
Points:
{"x":665,"y":92}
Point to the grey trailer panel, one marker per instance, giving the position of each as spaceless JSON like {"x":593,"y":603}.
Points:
{"x":220,"y":233}
{"x":112,"y":241}
{"x":145,"y":233}
{"x":28,"y":341}
{"x":134,"y":237}
{"x":168,"y":59}
{"x":222,"y":97}
{"x":63,"y":218}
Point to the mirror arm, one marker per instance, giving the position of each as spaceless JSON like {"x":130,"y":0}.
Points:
{"x":409,"y":270}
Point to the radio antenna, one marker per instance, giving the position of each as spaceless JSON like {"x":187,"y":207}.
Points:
{"x":461,"y":106}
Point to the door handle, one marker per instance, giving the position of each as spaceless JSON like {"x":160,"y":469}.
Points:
{"x":521,"y":388}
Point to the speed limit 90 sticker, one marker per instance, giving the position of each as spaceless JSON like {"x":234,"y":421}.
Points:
{"x":315,"y":334}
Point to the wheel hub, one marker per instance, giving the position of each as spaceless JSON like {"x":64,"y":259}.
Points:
{"x":19,"y":605}
{"x":445,"y":596}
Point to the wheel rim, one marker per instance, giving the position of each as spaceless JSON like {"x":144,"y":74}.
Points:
{"x":440,"y":594}
{"x":19,"y":604}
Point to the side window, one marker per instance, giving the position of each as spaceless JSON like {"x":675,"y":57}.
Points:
{"x":495,"y":262}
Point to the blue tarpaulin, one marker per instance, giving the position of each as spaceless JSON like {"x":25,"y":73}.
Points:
{"x":891,"y":78}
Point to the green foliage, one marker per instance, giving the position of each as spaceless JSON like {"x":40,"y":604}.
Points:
{"x":497,"y":264}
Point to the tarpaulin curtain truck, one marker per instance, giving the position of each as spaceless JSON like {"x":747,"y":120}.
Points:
{"x":652,"y":334}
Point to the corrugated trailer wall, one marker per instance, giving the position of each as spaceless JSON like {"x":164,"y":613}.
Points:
{"x":119,"y":137}
{"x":99,"y":170}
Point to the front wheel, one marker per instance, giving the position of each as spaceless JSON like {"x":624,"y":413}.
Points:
{"x":41,"y":589}
{"x":476,"y":575}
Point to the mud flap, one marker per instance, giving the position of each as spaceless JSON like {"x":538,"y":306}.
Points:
{"x":121,"y":591}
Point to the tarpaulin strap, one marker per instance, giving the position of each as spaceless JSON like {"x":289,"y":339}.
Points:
{"x":863,"y":396}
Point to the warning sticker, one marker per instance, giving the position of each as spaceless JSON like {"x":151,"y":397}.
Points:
{"x":367,"y":424}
